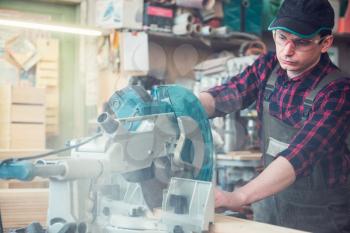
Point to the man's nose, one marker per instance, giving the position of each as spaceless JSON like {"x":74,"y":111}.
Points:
{"x":289,"y":48}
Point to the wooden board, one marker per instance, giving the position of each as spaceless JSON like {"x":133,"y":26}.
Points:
{"x":27,"y":136}
{"x":28,"y":113}
{"x":28,"y":95}
{"x":224,"y":224}
{"x":22,"y":118}
{"x":240,"y":155}
{"x":52,"y":98}
{"x":20,"y":207}
{"x":16,"y":184}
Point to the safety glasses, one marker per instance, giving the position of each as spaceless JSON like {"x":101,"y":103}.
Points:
{"x":299,"y":44}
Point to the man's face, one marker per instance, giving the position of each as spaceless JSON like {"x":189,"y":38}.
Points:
{"x":296,"y":54}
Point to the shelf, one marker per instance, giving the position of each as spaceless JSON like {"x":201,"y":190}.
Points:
{"x":213,"y":41}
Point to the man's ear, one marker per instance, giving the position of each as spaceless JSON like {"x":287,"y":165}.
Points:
{"x":327,"y":43}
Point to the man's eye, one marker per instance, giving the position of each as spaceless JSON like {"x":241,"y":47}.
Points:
{"x":282,"y":37}
{"x":302,"y":42}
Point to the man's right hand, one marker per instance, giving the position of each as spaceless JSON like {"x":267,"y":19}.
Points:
{"x":229,"y":200}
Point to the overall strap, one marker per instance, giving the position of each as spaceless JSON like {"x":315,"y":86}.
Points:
{"x":270,"y":85}
{"x":335,"y":75}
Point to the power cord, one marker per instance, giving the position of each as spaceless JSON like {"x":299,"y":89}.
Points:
{"x":39,"y":156}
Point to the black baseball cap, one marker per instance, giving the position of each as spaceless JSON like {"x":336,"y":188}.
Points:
{"x":304,"y":18}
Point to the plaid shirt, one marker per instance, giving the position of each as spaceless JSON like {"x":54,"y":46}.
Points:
{"x":321,"y":137}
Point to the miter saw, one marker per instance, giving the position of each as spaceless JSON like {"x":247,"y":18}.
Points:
{"x":154,"y":155}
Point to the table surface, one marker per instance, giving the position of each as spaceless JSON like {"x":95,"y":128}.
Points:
{"x":225,"y":224}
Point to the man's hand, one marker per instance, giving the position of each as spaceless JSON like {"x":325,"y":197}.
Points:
{"x":229,"y":200}
{"x":276,"y":177}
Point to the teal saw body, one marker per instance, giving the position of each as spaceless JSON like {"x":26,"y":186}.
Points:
{"x":135,"y":101}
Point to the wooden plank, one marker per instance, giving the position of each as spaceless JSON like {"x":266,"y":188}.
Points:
{"x":52,"y":111}
{"x":224,"y":224}
{"x":30,"y":136}
{"x":47,"y":65}
{"x":52,"y":129}
{"x":52,"y":97}
{"x":5,"y":94}
{"x":46,"y":81}
{"x":5,"y":130}
{"x":28,"y":95}
{"x":30,"y":144}
{"x":5,"y":143}
{"x":5,"y":110}
{"x":28,"y":113}
{"x":15,"y":184}
{"x":52,"y":120}
{"x":43,"y":73}
{"x":240,"y":155}
{"x":27,"y":131}
{"x":20,"y":207}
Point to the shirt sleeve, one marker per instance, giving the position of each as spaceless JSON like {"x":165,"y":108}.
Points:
{"x":324,"y":131}
{"x":240,"y":91}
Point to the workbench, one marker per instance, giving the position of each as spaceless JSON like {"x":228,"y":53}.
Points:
{"x":20,"y":207}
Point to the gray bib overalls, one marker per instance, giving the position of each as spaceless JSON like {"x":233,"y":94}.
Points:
{"x":308,"y":204}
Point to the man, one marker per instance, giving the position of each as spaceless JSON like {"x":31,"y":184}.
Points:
{"x":303,"y":103}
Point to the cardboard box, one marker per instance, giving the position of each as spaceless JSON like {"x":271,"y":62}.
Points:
{"x":119,"y":13}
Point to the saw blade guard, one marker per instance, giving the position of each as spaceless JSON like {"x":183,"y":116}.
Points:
{"x":134,"y":101}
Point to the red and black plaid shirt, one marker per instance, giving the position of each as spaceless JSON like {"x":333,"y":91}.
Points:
{"x":322,"y":137}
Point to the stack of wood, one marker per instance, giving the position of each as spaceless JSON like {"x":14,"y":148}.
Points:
{"x":22,"y":118}
{"x":21,"y":207}
{"x":47,"y":76}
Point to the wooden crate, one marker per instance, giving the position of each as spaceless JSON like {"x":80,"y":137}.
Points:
{"x":22,"y":118}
